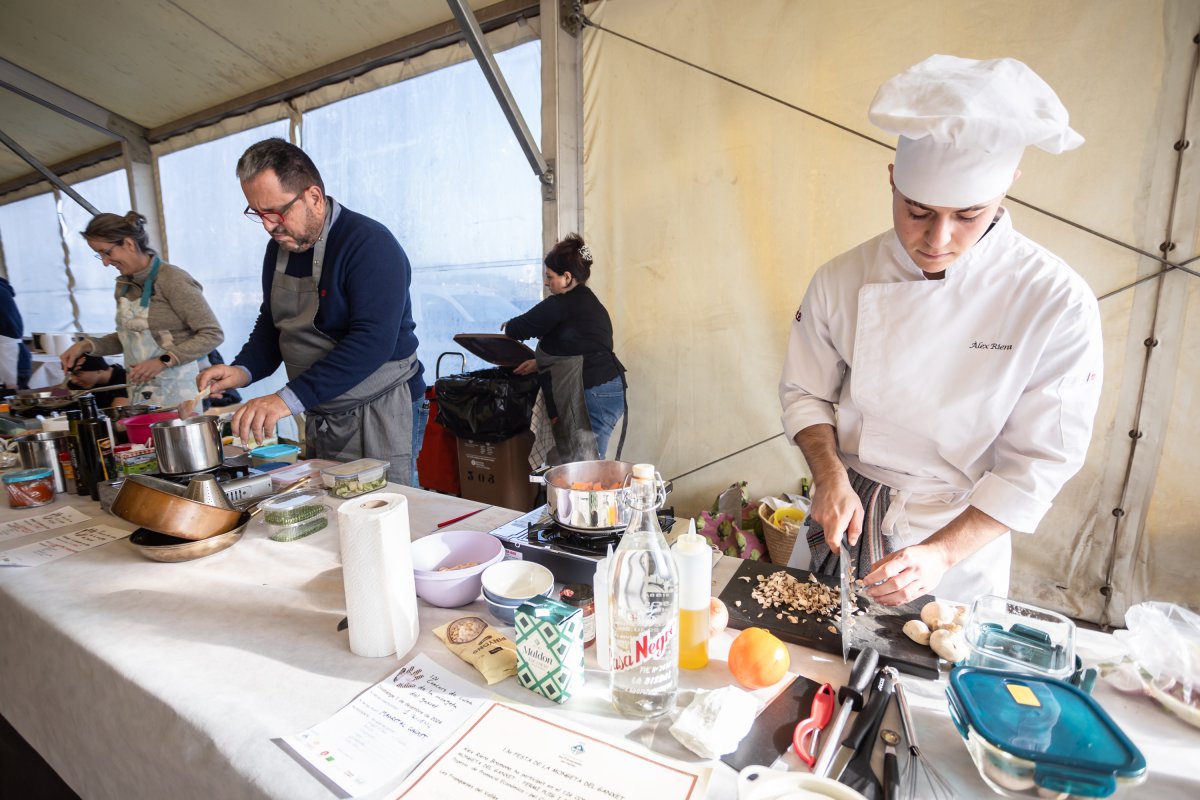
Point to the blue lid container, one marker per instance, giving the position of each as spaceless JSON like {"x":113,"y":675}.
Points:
{"x":23,"y":475}
{"x":1031,"y":732}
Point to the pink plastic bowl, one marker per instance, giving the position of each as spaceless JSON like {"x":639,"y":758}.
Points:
{"x":453,"y":587}
{"x":138,"y":428}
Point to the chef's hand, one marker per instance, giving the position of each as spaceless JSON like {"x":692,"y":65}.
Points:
{"x":221,"y":377}
{"x":906,"y":574}
{"x":73,"y":354}
{"x":255,"y":421}
{"x":916,"y":570}
{"x":146,"y":370}
{"x":526,"y":367}
{"x":838,"y":509}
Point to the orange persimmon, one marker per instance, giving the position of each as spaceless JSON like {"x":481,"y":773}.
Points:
{"x":758,"y":659}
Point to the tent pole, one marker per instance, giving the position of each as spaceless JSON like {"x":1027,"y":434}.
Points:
{"x":495,"y":79}
{"x":28,"y":158}
{"x":562,"y":122}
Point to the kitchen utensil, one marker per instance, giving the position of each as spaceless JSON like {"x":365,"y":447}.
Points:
{"x":759,"y":783}
{"x":862,"y":733}
{"x":804,"y":738}
{"x":1036,"y":736}
{"x":918,"y":765}
{"x":844,"y":578}
{"x":891,"y":767}
{"x":592,"y":511}
{"x":161,"y":547}
{"x":881,"y":629}
{"x":138,"y":428}
{"x":773,"y":730}
{"x":187,"y":445}
{"x":461,"y":517}
{"x":850,"y":697}
{"x":448,"y":566}
{"x":1008,"y":635}
{"x":207,"y":489}
{"x":41,"y":450}
{"x":162,"y":506}
{"x":857,"y":747}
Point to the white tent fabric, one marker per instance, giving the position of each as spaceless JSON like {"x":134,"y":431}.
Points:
{"x":709,"y":207}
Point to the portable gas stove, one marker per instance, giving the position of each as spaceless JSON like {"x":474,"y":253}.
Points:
{"x":570,"y":555}
{"x":240,"y":483}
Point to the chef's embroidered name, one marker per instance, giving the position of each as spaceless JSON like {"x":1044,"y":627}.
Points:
{"x":990,"y":346}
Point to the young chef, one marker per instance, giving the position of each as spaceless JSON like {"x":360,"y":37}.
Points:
{"x":336,"y":313}
{"x":942,"y":378}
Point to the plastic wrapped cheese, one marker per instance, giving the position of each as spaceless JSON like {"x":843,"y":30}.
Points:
{"x":715,"y":721}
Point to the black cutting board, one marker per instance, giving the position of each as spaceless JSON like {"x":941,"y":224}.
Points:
{"x":771,"y":734}
{"x":881,"y":628}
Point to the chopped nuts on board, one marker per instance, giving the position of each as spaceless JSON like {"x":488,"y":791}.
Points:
{"x":781,"y":590}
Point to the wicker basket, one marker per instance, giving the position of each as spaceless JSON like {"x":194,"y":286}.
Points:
{"x":779,"y":543}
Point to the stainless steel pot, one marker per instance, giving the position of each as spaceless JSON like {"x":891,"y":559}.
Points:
{"x":41,"y":450}
{"x":187,"y":445}
{"x":585,"y":510}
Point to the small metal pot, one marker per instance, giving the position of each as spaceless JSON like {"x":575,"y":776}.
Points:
{"x":41,"y":450}
{"x":187,"y":445}
{"x":589,"y":511}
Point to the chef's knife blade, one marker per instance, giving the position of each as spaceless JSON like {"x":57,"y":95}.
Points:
{"x":844,"y":565}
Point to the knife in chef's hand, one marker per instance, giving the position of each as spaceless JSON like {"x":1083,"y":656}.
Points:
{"x":866,"y":724}
{"x":847,"y":616}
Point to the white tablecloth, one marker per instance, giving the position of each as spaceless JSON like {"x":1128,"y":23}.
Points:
{"x":137,"y":679}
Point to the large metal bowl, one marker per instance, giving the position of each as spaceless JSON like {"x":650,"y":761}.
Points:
{"x":161,"y":547}
{"x":164,"y":507}
{"x":589,"y":511}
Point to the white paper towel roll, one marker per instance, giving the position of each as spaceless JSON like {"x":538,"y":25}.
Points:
{"x":381,"y":596}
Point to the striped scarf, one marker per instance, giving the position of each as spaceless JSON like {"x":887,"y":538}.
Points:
{"x":872,"y":544}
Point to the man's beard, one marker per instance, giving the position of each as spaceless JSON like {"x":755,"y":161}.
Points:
{"x":311,"y":235}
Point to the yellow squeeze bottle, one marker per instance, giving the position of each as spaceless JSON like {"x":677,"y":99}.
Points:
{"x":693,"y":559}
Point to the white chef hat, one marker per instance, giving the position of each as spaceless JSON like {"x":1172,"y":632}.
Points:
{"x":963,"y":125}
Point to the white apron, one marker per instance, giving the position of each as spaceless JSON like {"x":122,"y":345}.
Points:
{"x":174,"y":384}
{"x":977,"y":389}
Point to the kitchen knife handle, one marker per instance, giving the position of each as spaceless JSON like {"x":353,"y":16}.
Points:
{"x":891,"y":774}
{"x":860,"y":678}
{"x":871,"y":713}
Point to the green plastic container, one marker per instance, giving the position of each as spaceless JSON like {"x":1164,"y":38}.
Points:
{"x":1036,"y":736}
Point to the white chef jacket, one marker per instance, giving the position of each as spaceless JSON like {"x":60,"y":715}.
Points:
{"x":979,"y":389}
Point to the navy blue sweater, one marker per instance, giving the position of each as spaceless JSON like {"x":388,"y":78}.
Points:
{"x":364,"y":307}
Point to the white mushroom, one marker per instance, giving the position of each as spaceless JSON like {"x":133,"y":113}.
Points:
{"x":950,"y":645}
{"x":960,"y":615}
{"x":917,"y":630}
{"x":936,"y":614}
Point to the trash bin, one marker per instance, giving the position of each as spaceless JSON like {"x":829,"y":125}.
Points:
{"x":489,"y":411}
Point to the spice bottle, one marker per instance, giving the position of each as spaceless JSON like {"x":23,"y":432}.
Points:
{"x":580,"y":595}
{"x":693,"y":556}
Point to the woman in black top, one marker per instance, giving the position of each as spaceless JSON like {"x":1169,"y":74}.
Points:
{"x":575,"y":358}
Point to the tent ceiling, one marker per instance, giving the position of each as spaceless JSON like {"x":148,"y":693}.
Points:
{"x":160,"y":63}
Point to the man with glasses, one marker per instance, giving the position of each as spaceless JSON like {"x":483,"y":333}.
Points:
{"x":336,"y":313}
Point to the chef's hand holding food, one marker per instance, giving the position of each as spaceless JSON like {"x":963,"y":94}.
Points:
{"x":255,"y":421}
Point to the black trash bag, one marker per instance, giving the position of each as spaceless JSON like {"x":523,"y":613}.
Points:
{"x":488,"y":405}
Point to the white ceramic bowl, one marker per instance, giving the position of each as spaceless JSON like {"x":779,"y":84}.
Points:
{"x":512,"y":582}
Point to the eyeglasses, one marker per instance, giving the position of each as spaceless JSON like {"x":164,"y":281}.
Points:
{"x":273,"y":217}
{"x":103,"y":254}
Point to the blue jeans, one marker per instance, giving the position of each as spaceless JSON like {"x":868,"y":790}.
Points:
{"x":605,"y":404}
{"x":420,"y":417}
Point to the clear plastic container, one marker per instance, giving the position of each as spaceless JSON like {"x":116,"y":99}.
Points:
{"x":356,"y":477}
{"x":28,"y":488}
{"x":1035,"y":736}
{"x":295,"y":515}
{"x":1005,"y":634}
